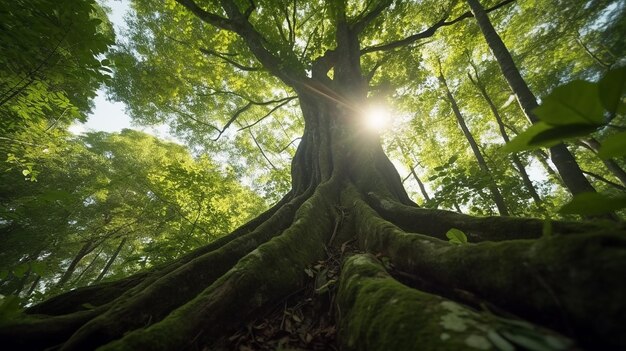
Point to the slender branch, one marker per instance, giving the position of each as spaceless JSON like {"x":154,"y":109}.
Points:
{"x":256,"y":43}
{"x":221,"y":55}
{"x":250,"y":9}
{"x":206,"y":16}
{"x":261,"y":149}
{"x":232,"y":62}
{"x":428,"y":32}
{"x":247,"y":107}
{"x":362,"y":23}
{"x":232,"y":119}
{"x":591,"y":54}
{"x":267,"y":114}
{"x":603,"y":179}
{"x":290,"y":143}
{"x":191,"y":117}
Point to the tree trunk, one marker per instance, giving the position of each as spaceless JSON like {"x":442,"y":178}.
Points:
{"x":84,"y":250}
{"x":493,"y":188}
{"x":344,"y":242}
{"x":562,"y":158}
{"x":106,"y":268}
{"x":514,"y":157}
{"x":409,"y":161}
{"x":420,"y":184}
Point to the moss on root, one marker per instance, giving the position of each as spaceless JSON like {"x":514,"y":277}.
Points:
{"x":271,"y":271}
{"x":379,"y":313}
{"x":566,"y":282}
{"x":436,"y":223}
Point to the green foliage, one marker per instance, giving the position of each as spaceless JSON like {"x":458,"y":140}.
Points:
{"x":101,"y":189}
{"x":575,"y":110}
{"x":9,"y":307}
{"x":613,"y":146}
{"x":50,"y":68}
{"x":594,"y":204}
{"x":456,"y":236}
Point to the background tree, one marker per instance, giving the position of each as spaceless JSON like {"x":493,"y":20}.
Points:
{"x":51,"y":65}
{"x":109,"y":205}
{"x":345,"y":235}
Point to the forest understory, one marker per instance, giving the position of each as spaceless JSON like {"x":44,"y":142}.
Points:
{"x":339,"y":274}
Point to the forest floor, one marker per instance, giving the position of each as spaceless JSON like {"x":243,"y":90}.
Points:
{"x":305,"y":320}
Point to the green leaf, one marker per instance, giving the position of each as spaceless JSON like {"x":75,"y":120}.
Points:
{"x":613,"y":146}
{"x":20,"y":270}
{"x":522,"y":141}
{"x":452,"y":160}
{"x":557,"y":134}
{"x":9,"y":307}
{"x":576,"y":102}
{"x":612,"y":88}
{"x":456,"y":236}
{"x":38,"y":267}
{"x":593,"y":204}
{"x":25,"y":172}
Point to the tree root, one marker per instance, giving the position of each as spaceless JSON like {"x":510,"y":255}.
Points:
{"x":554,"y":280}
{"x":379,"y":313}
{"x":273,"y":270}
{"x":559,"y":281}
{"x":436,"y":223}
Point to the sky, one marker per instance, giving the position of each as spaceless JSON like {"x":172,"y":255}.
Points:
{"x":110,"y":116}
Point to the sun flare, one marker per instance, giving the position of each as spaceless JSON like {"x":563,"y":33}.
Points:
{"x":377,"y":117}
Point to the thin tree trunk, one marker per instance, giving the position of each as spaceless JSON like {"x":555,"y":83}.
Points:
{"x":407,"y":157}
{"x":562,"y":158}
{"x":495,"y":192}
{"x":84,"y":250}
{"x":610,"y":164}
{"x":82,"y":273}
{"x":420,"y":184}
{"x":33,"y":286}
{"x":514,"y":157}
{"x":106,"y":268}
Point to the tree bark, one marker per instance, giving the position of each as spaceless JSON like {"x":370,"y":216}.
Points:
{"x":493,"y":188}
{"x":562,"y":158}
{"x":401,"y":283}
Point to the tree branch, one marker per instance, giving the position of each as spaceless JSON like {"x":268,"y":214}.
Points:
{"x":286,"y":101}
{"x":247,"y":107}
{"x":603,"y":179}
{"x":362,"y":23}
{"x":206,"y":16}
{"x":232,"y":62}
{"x":428,"y":32}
